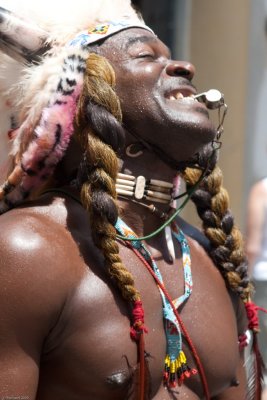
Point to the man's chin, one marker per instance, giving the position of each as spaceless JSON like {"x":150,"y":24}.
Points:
{"x":197,"y":157}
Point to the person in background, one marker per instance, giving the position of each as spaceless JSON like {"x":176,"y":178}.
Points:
{"x":256,"y":248}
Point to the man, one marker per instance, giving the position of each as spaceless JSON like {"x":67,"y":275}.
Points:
{"x":85,"y":314}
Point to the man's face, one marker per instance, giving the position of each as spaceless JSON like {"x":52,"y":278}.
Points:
{"x":156,"y":94}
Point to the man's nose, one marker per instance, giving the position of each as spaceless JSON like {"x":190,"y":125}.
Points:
{"x":181,"y":68}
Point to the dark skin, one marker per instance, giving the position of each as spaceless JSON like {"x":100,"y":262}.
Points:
{"x":65,"y":334}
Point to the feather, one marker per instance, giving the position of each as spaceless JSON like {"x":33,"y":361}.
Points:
{"x":169,"y":242}
{"x":255,"y":367}
{"x":63,"y":19}
{"x":28,"y":88}
{"x":8,"y":112}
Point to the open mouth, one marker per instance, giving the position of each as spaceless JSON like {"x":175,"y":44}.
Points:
{"x":186,"y":97}
{"x":180,"y":94}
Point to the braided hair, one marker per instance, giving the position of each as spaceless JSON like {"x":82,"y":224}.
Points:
{"x":212,"y":203}
{"x":100,"y":133}
{"x":98,"y":129}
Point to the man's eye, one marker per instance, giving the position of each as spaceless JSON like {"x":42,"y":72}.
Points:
{"x":145,"y":55}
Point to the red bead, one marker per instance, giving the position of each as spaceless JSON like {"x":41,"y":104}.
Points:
{"x":187,"y":374}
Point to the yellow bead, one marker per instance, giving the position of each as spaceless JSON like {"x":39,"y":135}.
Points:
{"x":182,"y":357}
{"x":172,"y":367}
{"x":167,"y":360}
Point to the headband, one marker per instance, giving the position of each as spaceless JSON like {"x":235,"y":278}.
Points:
{"x":104,"y":30}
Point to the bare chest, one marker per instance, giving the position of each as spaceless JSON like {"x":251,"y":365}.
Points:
{"x":90,"y":355}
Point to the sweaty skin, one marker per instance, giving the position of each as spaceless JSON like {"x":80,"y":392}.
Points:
{"x":64,"y":325}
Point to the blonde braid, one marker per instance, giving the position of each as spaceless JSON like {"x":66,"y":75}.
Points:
{"x":227,"y":248}
{"x":98,"y":192}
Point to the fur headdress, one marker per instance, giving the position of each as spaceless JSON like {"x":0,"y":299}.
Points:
{"x":39,"y":100}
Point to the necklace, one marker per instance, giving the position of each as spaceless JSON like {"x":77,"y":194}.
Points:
{"x":141,"y":188}
{"x":176,"y":368}
{"x":180,"y":367}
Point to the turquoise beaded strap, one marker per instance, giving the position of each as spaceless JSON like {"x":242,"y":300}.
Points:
{"x":176,"y":367}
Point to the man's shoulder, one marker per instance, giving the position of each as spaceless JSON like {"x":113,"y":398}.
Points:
{"x":40,"y":262}
{"x":194,"y":233}
{"x":37,"y":244}
{"x":25,"y":229}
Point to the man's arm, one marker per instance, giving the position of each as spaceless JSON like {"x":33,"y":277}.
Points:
{"x":28,"y":305}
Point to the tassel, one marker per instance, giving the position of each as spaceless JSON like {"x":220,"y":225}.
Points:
{"x":176,"y":371}
{"x":166,"y":374}
{"x":255,"y":389}
{"x":137,"y":331}
{"x":138,"y":326}
{"x":259,"y":365}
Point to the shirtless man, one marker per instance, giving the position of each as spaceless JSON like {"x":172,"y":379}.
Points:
{"x":70,"y":292}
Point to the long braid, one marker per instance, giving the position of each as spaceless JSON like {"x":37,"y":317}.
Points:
{"x":212,"y":203}
{"x":98,"y":192}
{"x":227,"y":249}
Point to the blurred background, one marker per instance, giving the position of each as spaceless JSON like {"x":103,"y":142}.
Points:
{"x":227,"y":42}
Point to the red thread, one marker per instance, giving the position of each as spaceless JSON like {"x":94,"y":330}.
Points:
{"x":252,"y":314}
{"x":138,"y":320}
{"x":242,"y":340}
{"x":261,"y":309}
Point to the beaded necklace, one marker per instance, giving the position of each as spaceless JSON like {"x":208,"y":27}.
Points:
{"x":176,"y":368}
{"x":180,"y":366}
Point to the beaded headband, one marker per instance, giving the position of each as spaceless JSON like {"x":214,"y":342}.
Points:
{"x":102,"y":31}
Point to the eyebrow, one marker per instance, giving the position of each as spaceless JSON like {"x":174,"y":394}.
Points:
{"x":142,"y":39}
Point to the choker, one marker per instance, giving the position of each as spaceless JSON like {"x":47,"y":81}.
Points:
{"x":140,"y":188}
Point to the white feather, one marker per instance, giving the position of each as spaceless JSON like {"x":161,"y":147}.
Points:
{"x":63,"y":19}
{"x":10,"y":72}
{"x":27,"y":89}
{"x":169,"y":242}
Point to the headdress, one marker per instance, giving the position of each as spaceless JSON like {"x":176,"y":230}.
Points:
{"x":40,"y":100}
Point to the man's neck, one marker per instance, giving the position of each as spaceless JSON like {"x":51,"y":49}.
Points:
{"x":136,"y":212}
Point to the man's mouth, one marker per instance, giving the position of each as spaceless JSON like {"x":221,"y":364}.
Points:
{"x":180,"y":95}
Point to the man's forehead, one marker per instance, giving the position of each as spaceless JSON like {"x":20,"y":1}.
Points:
{"x":143,"y":38}
{"x":129,"y":37}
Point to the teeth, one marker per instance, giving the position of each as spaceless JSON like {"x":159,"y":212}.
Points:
{"x":179,"y":96}
{"x":189,"y":99}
